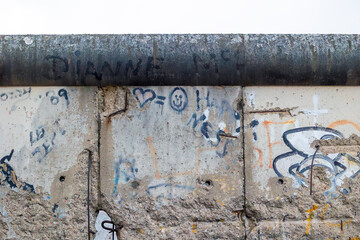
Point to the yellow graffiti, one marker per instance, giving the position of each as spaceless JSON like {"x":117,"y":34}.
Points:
{"x":332,"y":224}
{"x":311,"y":212}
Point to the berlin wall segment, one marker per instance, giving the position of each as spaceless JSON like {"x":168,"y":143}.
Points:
{"x":172,"y":162}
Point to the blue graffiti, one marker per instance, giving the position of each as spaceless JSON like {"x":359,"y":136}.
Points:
{"x":210,"y":132}
{"x":125,"y":171}
{"x":255,"y":136}
{"x":169,"y":185}
{"x":178,"y":99}
{"x":225,"y":152}
{"x":196,"y":120}
{"x":161,"y":100}
{"x":253,"y":124}
{"x":144,"y":96}
{"x":206,"y":99}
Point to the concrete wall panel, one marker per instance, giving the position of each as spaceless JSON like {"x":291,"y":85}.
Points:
{"x":43,"y":166}
{"x":283,"y":126}
{"x":171,"y":161}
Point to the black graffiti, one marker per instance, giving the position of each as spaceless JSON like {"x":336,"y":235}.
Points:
{"x":54,"y":99}
{"x":150,"y":67}
{"x":59,"y":66}
{"x":198,"y":61}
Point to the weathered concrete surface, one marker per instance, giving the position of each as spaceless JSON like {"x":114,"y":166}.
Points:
{"x":282,"y":127}
{"x":230,"y":59}
{"x":171,"y":161}
{"x":43,"y":166}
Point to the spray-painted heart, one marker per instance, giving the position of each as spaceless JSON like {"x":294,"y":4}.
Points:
{"x":144,"y":96}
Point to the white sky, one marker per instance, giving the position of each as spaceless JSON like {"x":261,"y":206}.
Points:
{"x":179,"y":16}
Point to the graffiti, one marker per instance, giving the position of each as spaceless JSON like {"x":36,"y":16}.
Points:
{"x":311,"y":213}
{"x":155,"y":163}
{"x":260,"y":158}
{"x":209,"y":103}
{"x":178,"y":99}
{"x":340,"y":225}
{"x":148,"y":95}
{"x":16,"y":94}
{"x":44,"y":141}
{"x":222,"y":110}
{"x":198,"y":61}
{"x":58,"y":211}
{"x":144,"y":96}
{"x":297,"y":162}
{"x":253,"y":124}
{"x":8,"y":175}
{"x":225,"y":152}
{"x":60,"y":66}
{"x":167,"y":191}
{"x":37,"y":135}
{"x":270,"y":143}
{"x":54,"y":99}
{"x":125,"y":171}
{"x":169,"y":185}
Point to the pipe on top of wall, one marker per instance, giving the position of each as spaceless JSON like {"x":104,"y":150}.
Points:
{"x":185,"y":59}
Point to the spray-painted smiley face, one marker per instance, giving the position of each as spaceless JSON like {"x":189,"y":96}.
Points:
{"x":178,"y":99}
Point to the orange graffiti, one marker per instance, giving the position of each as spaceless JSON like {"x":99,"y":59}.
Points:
{"x":343,"y":122}
{"x":270,"y":144}
{"x":153,"y":155}
{"x":260,"y":158}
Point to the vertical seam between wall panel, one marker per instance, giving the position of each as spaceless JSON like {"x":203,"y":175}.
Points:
{"x":99,"y":95}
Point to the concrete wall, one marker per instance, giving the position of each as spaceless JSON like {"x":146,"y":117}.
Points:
{"x":180,"y":162}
